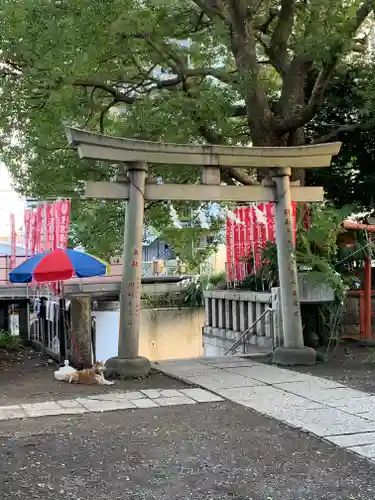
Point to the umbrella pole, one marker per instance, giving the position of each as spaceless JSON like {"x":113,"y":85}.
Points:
{"x":62,"y":329}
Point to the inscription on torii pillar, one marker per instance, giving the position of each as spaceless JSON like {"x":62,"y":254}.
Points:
{"x":135,"y":188}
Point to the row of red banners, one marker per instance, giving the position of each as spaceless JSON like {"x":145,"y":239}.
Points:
{"x":45,"y":228}
{"x":247,"y":232}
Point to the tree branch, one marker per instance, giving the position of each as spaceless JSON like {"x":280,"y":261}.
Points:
{"x":344,"y":129}
{"x":317,"y":94}
{"x":307,"y":113}
{"x":212,"y":9}
{"x":103,"y":113}
{"x":244,"y":48}
{"x":236,"y":173}
{"x":149,"y":84}
{"x":107,"y":87}
{"x":274,"y":60}
{"x":278,"y":48}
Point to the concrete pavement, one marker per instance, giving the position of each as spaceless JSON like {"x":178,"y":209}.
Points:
{"x":329,"y":410}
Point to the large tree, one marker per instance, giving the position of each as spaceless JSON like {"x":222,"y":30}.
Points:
{"x":347,"y":114}
{"x":217,"y":71}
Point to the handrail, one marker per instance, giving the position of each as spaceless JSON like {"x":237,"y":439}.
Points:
{"x":238,"y":342}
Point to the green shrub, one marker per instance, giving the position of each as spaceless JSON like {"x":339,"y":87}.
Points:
{"x":8,"y":341}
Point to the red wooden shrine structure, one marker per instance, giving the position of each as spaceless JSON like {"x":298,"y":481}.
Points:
{"x":249,"y":228}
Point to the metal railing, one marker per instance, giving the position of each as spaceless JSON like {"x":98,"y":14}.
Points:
{"x":246,"y":332}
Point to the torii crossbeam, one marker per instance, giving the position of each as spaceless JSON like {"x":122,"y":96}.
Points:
{"x":137,"y":154}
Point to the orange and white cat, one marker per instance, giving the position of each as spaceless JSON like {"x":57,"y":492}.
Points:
{"x":94,"y":375}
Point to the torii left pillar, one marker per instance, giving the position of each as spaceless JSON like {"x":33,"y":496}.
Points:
{"x":128,"y":363}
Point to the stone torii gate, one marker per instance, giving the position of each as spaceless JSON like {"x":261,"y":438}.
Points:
{"x":136,"y":188}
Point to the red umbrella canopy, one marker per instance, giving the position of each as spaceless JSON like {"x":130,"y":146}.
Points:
{"x":57,"y":265}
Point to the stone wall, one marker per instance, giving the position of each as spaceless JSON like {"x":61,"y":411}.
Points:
{"x":229,"y":313}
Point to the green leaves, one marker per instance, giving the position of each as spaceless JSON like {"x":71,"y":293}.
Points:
{"x":160,"y":70}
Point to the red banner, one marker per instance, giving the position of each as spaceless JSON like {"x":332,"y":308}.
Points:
{"x":33,"y":227}
{"x":62,"y":219}
{"x":27,"y":225}
{"x":248,"y":233}
{"x":241,"y":222}
{"x":12,"y":260}
{"x":38,"y":230}
{"x":50,"y":227}
{"x":229,"y":242}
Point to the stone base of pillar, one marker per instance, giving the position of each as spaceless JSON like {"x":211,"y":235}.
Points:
{"x":121,"y":368}
{"x":287,"y":356}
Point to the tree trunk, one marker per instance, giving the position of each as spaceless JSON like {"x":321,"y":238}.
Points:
{"x":267,"y":138}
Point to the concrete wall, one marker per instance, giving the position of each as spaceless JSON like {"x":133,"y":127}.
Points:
{"x":164,"y":334}
{"x":215,"y":263}
{"x":171,"y":333}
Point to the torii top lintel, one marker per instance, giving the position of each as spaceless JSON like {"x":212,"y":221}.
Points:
{"x":116,"y":149}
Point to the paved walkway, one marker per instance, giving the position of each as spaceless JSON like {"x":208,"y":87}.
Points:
{"x":119,"y":400}
{"x":330,"y":410}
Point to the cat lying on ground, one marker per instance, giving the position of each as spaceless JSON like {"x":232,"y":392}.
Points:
{"x":94,"y":375}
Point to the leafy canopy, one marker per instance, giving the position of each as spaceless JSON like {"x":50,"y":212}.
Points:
{"x":218,"y":71}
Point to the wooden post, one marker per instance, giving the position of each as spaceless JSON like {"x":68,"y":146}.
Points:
{"x":24,"y":321}
{"x":82,"y":349}
{"x":367,"y":297}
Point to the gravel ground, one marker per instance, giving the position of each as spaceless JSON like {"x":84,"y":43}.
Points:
{"x":349,"y":366}
{"x":199,"y":452}
{"x":26,"y":378}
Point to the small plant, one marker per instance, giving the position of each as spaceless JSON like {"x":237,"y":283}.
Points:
{"x":8,"y":341}
{"x":218,"y":280}
{"x":165,"y":300}
{"x":194,"y":292}
{"x":371,"y":356}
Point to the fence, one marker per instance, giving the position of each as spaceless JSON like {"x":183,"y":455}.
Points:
{"x":228,"y":314}
{"x":45,"y":326}
{"x":352,"y":324}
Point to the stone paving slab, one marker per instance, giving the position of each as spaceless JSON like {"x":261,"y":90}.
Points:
{"x":270,"y":374}
{"x":223,"y":382}
{"x":281,"y":401}
{"x":99,"y":406}
{"x":228,"y":360}
{"x":328,"y":409}
{"x":247,"y":393}
{"x":359,"y":405}
{"x":144,"y":403}
{"x":180,"y":400}
{"x":365,"y":450}
{"x":201,"y":396}
{"x":349,"y":440}
{"x":148,"y":398}
{"x":339,"y":396}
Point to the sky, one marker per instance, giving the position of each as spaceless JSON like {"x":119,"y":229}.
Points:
{"x":9,"y":202}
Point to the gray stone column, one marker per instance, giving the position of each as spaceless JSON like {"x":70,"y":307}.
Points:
{"x":128,"y":364}
{"x":293,"y":352}
{"x":82,"y":349}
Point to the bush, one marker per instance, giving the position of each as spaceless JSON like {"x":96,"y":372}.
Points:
{"x":9,"y":341}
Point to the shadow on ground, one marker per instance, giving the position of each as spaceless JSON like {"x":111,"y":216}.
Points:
{"x":26,"y":377}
